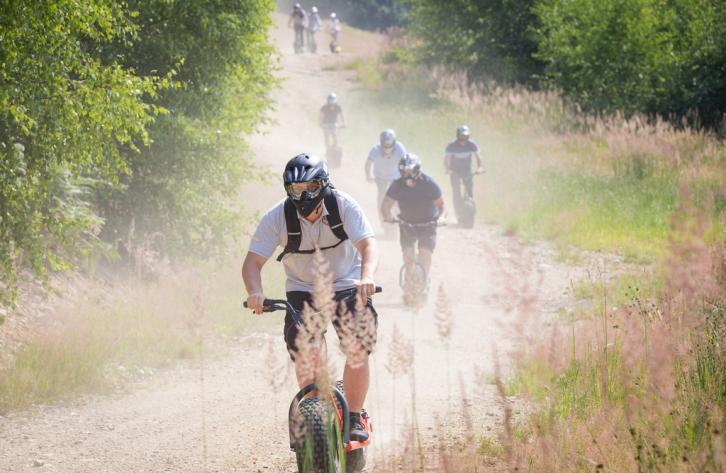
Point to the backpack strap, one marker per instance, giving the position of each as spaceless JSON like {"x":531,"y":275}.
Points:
{"x":334,"y":220}
{"x":294,"y":231}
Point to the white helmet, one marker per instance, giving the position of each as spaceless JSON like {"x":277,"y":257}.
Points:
{"x":332,"y":98}
{"x":314,"y":9}
{"x":388,"y":138}
{"x":333,"y":16}
{"x":463,"y":130}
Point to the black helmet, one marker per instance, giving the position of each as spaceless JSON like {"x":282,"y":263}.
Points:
{"x":306,"y":168}
{"x":388,"y":138}
{"x":410,"y":164}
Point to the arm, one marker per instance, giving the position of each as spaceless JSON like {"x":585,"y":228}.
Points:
{"x":478,"y":162}
{"x":441,"y":207}
{"x":386,"y":207}
{"x":368,"y":249}
{"x":252,"y":277}
{"x":369,"y":168}
{"x":447,"y":163}
{"x":342,"y":118}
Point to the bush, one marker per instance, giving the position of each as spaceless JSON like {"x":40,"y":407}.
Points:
{"x":184,"y":184}
{"x":118,"y":115}
{"x":65,"y":116}
{"x":649,"y":56}
{"x":489,"y":39}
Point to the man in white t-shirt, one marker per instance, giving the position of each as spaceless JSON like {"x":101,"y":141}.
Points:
{"x":382,"y":164}
{"x":317,"y":216}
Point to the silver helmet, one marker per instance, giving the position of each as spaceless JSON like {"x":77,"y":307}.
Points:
{"x":463,"y":130}
{"x":388,"y":138}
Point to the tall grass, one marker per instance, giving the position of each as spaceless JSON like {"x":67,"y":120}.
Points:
{"x":117,"y":334}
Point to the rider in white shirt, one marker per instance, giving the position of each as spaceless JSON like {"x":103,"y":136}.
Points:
{"x":382,"y":163}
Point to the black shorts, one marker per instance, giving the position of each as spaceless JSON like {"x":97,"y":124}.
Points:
{"x":424,"y":235}
{"x":298,"y":299}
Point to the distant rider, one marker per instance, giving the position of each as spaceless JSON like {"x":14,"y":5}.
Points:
{"x":382,"y":163}
{"x":421,"y":202}
{"x":298,"y":20}
{"x":349,"y":247}
{"x":335,"y":33}
{"x":331,"y":115}
{"x":314,"y":23}
{"x":457,"y":163}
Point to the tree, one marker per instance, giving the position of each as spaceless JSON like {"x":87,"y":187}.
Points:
{"x":654,"y":56}
{"x":118,"y":115}
{"x":488,"y":39}
{"x":184,"y":185}
{"x":64,"y":118}
{"x":376,"y":14}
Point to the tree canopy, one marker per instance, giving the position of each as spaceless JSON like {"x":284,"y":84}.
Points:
{"x":665,"y":57}
{"x":114,"y":112}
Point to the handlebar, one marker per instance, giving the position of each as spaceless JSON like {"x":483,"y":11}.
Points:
{"x":273,"y":305}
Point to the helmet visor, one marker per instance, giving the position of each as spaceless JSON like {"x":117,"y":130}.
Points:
{"x":311,"y":189}
{"x":410,"y":173}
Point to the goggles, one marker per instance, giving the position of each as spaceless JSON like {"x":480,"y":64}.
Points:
{"x":410,"y":173}
{"x":296,"y":190}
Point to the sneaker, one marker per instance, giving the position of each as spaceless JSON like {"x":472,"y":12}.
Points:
{"x":358,"y":433}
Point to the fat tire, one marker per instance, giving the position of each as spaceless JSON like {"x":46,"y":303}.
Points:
{"x":468,"y":213}
{"x":413,"y":285}
{"x":312,"y":450}
{"x":355,"y":460}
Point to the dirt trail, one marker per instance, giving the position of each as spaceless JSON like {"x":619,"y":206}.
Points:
{"x":232,"y":420}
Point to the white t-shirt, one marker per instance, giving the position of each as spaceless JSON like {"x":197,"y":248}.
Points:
{"x":385,"y":166}
{"x":344,"y":259}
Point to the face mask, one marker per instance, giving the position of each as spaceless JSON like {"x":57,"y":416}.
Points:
{"x":306,"y":207}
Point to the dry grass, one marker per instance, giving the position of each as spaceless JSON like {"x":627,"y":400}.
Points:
{"x":639,"y":385}
{"x":111,"y":335}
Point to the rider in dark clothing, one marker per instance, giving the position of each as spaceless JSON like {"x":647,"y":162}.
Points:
{"x":298,"y":19}
{"x":457,"y":163}
{"x":330,"y":115}
{"x":421,"y":202}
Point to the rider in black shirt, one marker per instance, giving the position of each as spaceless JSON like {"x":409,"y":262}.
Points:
{"x":421,"y":203}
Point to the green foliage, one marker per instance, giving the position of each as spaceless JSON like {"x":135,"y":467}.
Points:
{"x":184,"y":184}
{"x":376,"y":14}
{"x":489,"y":39}
{"x":665,"y":57}
{"x":118,"y":115}
{"x":64,"y":118}
{"x":652,"y":56}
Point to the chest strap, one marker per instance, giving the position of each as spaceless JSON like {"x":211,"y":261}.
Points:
{"x":294,"y":231}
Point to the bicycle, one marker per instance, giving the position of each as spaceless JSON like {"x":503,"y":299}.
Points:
{"x":412,"y":278}
{"x":466,"y":210}
{"x":334,"y":153}
{"x":312,"y":44}
{"x":319,"y":421}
